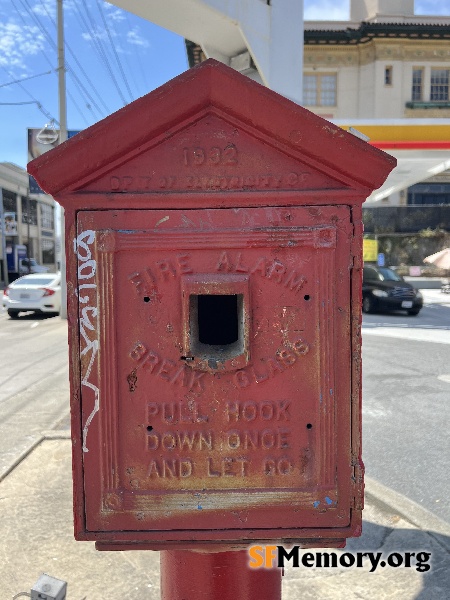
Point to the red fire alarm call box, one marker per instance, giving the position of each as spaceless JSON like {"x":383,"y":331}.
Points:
{"x":214,"y":248}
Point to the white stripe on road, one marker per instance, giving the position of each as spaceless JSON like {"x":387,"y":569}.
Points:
{"x":438,"y":336}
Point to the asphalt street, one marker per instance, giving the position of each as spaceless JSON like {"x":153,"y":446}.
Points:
{"x":406,"y":418}
{"x":406,"y":402}
{"x":431,"y":324}
{"x":405,"y":424}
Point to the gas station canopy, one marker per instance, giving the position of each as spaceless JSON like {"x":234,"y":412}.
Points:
{"x":421,"y":147}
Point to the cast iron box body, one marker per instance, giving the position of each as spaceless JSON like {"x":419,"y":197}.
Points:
{"x":214,"y":244}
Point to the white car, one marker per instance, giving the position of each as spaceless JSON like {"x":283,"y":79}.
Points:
{"x":38,"y":292}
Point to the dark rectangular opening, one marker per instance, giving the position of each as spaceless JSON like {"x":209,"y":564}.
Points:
{"x":216,"y":326}
{"x":218,"y":319}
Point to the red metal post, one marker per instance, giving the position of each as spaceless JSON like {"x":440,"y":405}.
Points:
{"x":189,"y":575}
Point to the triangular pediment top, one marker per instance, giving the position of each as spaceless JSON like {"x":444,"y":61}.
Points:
{"x":154,"y":121}
{"x":214,"y":152}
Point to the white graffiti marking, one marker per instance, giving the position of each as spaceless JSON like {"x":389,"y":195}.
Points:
{"x":87,"y":267}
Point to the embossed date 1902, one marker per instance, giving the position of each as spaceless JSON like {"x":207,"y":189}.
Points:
{"x":210,"y":156}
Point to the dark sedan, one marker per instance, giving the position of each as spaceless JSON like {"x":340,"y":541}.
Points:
{"x":384,"y":290}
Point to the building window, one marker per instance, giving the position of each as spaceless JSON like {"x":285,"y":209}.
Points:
{"x":319,"y":89}
{"x":9,"y":201}
{"x":30,"y":206}
{"x":48,"y":251}
{"x":417,"y":83}
{"x":388,"y":76}
{"x":431,"y":194}
{"x":440,"y":79}
{"x":47,"y":221}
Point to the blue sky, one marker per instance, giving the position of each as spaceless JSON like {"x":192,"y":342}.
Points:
{"x":113,"y":57}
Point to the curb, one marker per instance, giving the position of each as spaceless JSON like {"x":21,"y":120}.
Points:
{"x":50,"y":435}
{"x":20,"y":459}
{"x":376,"y":493}
{"x":387,"y":499}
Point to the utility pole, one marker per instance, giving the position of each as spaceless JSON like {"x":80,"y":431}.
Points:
{"x":29,"y":253}
{"x":3,"y":228}
{"x":62,"y":138}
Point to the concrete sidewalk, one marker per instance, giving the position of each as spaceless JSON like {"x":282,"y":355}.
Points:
{"x":36,"y":537}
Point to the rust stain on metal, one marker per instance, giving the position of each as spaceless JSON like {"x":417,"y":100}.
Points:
{"x":132,"y":380}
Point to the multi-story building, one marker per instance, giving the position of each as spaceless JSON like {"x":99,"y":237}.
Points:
{"x":383,"y":65}
{"x":28,"y":220}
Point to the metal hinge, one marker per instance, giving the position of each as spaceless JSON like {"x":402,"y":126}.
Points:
{"x":358,"y":485}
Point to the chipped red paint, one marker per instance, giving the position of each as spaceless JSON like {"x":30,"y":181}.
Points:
{"x":214,"y":253}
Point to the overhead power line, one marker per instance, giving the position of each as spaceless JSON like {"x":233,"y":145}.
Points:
{"x":113,"y":46}
{"x":138,"y":59}
{"x":71,"y":71}
{"x":51,"y":64}
{"x":38,"y":104}
{"x":35,"y":100}
{"x":90,"y":24}
{"x":50,"y":40}
{"x":24,"y":79}
{"x":108,"y":56}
